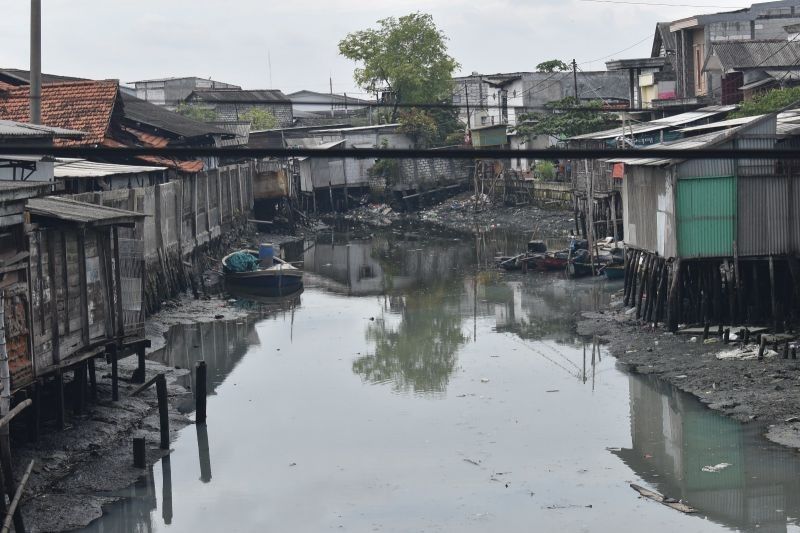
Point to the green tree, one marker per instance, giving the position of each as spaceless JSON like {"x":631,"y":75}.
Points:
{"x":203,"y":114}
{"x":567,"y":119}
{"x":260,"y":119}
{"x":768,"y":102}
{"x":554,"y":65}
{"x":405,"y":56}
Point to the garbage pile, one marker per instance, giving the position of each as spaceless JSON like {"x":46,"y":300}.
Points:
{"x":380,"y":215}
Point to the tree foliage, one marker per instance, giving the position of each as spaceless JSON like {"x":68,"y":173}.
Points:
{"x":433,"y":127}
{"x":260,"y":119}
{"x":406,"y":56}
{"x":203,"y":114}
{"x":554,"y":65}
{"x":567,"y":119}
{"x":768,"y":102}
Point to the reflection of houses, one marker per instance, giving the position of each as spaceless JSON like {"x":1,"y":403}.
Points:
{"x":674,"y":437}
{"x":378,"y":266}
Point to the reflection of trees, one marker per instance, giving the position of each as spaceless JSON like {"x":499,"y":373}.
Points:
{"x":420,"y":353}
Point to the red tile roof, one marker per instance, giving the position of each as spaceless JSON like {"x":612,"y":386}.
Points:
{"x":190,"y":167}
{"x":81,"y":105}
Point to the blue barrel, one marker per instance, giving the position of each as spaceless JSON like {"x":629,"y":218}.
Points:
{"x":266,"y":254}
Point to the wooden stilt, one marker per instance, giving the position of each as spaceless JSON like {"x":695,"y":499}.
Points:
{"x":112,"y":351}
{"x":93,"y":379}
{"x":33,"y":416}
{"x":776,"y":323}
{"x":8,"y":477}
{"x":673,"y":303}
{"x":59,"y":386}
{"x":163,"y":410}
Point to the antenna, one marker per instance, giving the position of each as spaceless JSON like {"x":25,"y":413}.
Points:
{"x":269,"y":64}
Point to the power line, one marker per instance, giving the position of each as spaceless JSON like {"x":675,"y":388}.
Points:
{"x":647,"y":37}
{"x":641,"y":3}
{"x":86,"y":152}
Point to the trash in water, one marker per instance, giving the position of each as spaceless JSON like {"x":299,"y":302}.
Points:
{"x":660,"y":498}
{"x":472,"y":461}
{"x":484,"y":380}
{"x":715,"y":468}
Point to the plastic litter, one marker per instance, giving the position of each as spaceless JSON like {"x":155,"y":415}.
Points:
{"x":715,"y":468}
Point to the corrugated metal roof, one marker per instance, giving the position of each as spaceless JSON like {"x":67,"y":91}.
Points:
{"x":323,"y":146}
{"x":733,"y":55}
{"x":83,"y":213}
{"x":689,"y":143}
{"x":658,"y":124}
{"x":80,"y":168}
{"x":267,"y":96}
{"x":358,"y":128}
{"x":11,"y":128}
{"x":722,"y":124}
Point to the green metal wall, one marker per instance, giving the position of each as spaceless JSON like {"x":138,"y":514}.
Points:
{"x":706,"y":215}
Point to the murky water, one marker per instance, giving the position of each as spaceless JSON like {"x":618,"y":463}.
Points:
{"x":405,"y":390}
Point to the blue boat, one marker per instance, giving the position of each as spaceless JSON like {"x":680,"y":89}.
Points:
{"x":279,"y":279}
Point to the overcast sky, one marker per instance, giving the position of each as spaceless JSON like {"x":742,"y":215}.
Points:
{"x":229,"y":40}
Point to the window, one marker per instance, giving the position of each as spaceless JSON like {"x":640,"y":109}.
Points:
{"x":483,"y":121}
{"x":456,"y":98}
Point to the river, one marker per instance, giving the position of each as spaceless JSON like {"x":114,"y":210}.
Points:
{"x":410,"y":388}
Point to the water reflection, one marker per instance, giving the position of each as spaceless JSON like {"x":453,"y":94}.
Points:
{"x":417,"y":350}
{"x":674,"y":437}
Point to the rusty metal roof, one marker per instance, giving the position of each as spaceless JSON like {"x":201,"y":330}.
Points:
{"x":81,"y":213}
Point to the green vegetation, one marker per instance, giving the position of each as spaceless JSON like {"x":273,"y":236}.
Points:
{"x":203,"y":114}
{"x":545,"y":170}
{"x":554,"y":65}
{"x":260,"y":119}
{"x":407,"y":57}
{"x":768,"y":102}
{"x":569,"y":118}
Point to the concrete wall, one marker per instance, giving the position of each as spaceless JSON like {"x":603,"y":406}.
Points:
{"x":415,"y":173}
{"x":233,"y":112}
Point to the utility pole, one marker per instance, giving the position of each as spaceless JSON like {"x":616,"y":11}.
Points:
{"x":331,"y":82}
{"x":269,"y":66}
{"x":466,"y":97}
{"x":575,"y":81}
{"x":36,"y":62}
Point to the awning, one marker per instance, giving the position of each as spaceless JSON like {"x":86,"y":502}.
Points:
{"x":80,"y":213}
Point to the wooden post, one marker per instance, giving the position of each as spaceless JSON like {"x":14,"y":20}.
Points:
{"x":163,"y":410}
{"x":794,"y":352}
{"x":786,"y":350}
{"x":79,"y":386}
{"x":200,"y":388}
{"x":13,"y":508}
{"x":8,"y":477}
{"x":139,"y":453}
{"x":739,"y":289}
{"x":84,"y":291}
{"x":642,"y":284}
{"x":762,"y":345}
{"x":776,"y":323}
{"x":673,"y":304}
{"x":112,"y":352}
{"x":93,"y":379}
{"x":139,"y":374}
{"x":60,"y":415}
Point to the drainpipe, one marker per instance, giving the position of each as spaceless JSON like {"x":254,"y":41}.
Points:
{"x":36,"y":62}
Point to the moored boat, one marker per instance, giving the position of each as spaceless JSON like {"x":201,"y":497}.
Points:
{"x":244,"y":273}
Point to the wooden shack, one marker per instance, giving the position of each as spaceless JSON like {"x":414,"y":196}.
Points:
{"x":86,"y":288}
{"x":715,"y":240}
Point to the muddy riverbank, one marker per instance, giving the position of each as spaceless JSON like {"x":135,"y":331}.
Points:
{"x":88,"y":465}
{"x":726,"y":378}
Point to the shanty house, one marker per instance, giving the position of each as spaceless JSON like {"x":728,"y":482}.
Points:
{"x":731,"y":224}
{"x":29,"y":168}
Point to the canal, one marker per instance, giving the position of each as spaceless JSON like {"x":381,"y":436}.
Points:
{"x":409,"y":388}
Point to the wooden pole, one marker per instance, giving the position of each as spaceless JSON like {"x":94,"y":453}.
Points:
{"x":166,"y":489}
{"x":19,"y":526}
{"x":203,"y":452}
{"x":139,"y":453}
{"x":200,"y":388}
{"x":775,"y":319}
{"x":34,"y":415}
{"x":673,"y":305}
{"x":112,"y":351}
{"x":8,"y":481}
{"x":163,"y":410}
{"x":60,"y":416}
{"x":93,"y":379}
{"x":138,"y":375}
{"x":739,"y":292}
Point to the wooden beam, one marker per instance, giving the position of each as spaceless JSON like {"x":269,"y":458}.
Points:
{"x":17,"y":497}
{"x":84,"y":287}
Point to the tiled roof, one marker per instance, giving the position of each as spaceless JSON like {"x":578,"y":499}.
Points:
{"x":83,"y":105}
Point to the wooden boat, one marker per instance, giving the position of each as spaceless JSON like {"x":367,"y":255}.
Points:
{"x":549,"y":261}
{"x":280,"y":279}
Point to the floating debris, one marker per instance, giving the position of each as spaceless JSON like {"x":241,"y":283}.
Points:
{"x":715,"y":468}
{"x":660,"y":498}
